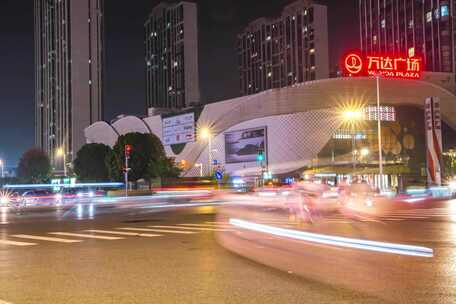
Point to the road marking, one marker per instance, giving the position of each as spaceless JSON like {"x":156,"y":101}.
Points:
{"x":45,"y":238}
{"x":14,"y":243}
{"x":208,"y":225}
{"x":190,"y":228}
{"x":5,"y":302}
{"x":124,"y":233}
{"x":88,"y":236}
{"x":157,"y":230}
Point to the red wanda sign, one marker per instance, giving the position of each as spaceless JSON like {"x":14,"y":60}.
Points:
{"x":386,"y":66}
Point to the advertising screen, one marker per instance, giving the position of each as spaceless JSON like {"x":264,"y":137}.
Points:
{"x":179,"y":129}
{"x":243,"y":145}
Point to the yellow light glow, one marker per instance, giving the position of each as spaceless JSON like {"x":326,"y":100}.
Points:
{"x":351,"y":112}
{"x":205,"y":133}
{"x":352,"y":115}
{"x":60,"y":152}
{"x":365,"y":152}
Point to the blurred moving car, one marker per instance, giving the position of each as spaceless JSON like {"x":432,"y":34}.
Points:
{"x":37,"y":197}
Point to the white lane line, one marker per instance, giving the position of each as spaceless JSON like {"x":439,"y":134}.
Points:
{"x":157,"y":230}
{"x":88,"y":236}
{"x":15,"y":243}
{"x":207,"y":225}
{"x":45,"y":238}
{"x":123,"y":233}
{"x":190,"y":228}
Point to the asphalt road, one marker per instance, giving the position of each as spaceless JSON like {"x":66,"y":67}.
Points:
{"x":141,"y":253}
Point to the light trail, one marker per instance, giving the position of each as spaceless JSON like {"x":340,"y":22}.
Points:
{"x":338,"y":241}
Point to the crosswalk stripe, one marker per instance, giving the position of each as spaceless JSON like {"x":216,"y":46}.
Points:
{"x":88,"y":236}
{"x":15,"y":243}
{"x":157,"y":230}
{"x":45,"y":238}
{"x":190,"y":228}
{"x":123,"y":233}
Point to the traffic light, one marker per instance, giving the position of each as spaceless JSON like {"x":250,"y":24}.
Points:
{"x":128,"y":149}
{"x":260,"y":156}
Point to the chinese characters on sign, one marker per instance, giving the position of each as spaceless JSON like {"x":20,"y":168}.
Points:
{"x":387,"y":113}
{"x":387,"y":66}
{"x":433,"y":131}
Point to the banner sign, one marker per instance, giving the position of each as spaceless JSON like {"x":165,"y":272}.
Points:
{"x":179,"y":129}
{"x":433,"y":129}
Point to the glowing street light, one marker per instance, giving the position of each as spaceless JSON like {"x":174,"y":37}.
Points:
{"x":364,"y":152}
{"x":352,"y":115}
{"x":61,"y":153}
{"x":2,"y":164}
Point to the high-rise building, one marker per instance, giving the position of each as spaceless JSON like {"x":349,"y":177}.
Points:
{"x":68,"y":73}
{"x":282,"y":51}
{"x":422,"y":28}
{"x":171,"y":59}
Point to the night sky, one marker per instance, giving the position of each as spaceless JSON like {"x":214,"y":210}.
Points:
{"x":219,"y":23}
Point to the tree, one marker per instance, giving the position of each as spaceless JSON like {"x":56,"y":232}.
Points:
{"x":89,"y":164}
{"x":34,"y":167}
{"x":147,"y":160}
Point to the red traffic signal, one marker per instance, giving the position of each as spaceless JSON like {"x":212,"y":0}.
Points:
{"x":128,"y":149}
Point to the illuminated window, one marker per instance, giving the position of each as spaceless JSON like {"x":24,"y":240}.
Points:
{"x":444,"y":11}
{"x":410,"y":24}
{"x":374,"y":39}
{"x":383,"y":23}
{"x":436,"y":13}
{"x":411,"y":52}
{"x":428,"y":16}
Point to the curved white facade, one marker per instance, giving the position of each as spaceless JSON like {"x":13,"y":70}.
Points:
{"x":299,"y":120}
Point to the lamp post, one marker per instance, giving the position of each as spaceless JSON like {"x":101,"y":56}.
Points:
{"x":206,"y":134}
{"x":351,"y":116}
{"x":379,"y":132}
{"x":61,"y":153}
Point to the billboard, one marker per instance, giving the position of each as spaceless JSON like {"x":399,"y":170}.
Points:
{"x":243,"y":145}
{"x":388,"y":66}
{"x":433,"y":127}
{"x":178,"y":129}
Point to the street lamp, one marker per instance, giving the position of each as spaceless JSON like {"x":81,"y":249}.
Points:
{"x":2,"y":164}
{"x":352,"y":114}
{"x":206,"y":133}
{"x":364,"y":152}
{"x":61,"y":153}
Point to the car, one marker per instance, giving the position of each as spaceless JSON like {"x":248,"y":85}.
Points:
{"x":38,"y":197}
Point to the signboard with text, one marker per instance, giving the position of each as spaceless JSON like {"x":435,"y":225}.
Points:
{"x":179,"y":129}
{"x":433,"y":129}
{"x":355,"y":64}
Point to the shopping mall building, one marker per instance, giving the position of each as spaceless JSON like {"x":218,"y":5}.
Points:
{"x":301,"y":131}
